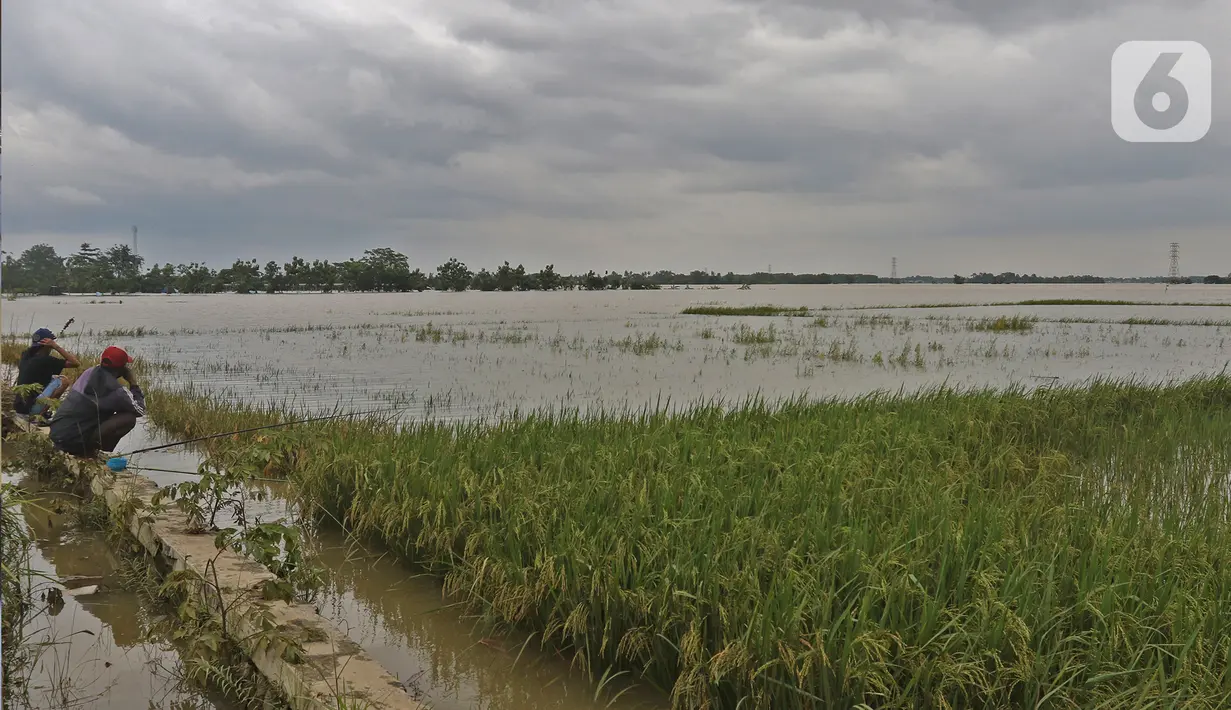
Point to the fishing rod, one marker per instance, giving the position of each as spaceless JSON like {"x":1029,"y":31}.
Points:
{"x":119,"y":463}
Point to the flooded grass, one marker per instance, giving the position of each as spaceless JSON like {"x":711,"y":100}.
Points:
{"x":1032,"y":302}
{"x":967,"y":536}
{"x":1004,"y":324}
{"x":747,"y":335}
{"x":761,"y":310}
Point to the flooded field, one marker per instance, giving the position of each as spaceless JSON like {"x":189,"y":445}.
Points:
{"x":470,"y":354}
{"x":467,"y":355}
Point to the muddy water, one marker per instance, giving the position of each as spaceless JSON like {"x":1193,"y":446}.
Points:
{"x":398,"y":615}
{"x":488,"y":354}
{"x":94,"y":649}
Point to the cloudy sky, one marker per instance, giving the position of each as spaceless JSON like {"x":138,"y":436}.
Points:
{"x":956,"y":135}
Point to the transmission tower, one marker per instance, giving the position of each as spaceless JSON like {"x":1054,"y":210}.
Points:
{"x":134,"y":239}
{"x":893,"y":274}
{"x":1173,"y":274}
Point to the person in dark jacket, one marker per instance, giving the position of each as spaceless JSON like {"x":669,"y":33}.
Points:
{"x":38,"y":366}
{"x":97,"y":411}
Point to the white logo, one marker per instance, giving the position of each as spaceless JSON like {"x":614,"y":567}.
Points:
{"x":1161,"y":92}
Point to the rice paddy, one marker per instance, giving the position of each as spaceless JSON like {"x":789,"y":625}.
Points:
{"x":994,"y":506}
{"x":950,"y":548}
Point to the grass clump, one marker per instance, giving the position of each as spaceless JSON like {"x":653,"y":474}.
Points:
{"x":1064,"y":547}
{"x":646,"y":344}
{"x":746,"y":335}
{"x":761,"y":310}
{"x":1004,"y":324}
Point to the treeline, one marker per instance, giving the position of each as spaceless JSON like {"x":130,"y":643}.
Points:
{"x":1009,"y":277}
{"x":40,"y":270}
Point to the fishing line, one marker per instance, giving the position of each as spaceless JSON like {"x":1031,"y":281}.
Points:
{"x":198,"y":473}
{"x":120,"y":463}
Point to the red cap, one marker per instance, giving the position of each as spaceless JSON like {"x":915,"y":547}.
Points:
{"x":115,"y":357}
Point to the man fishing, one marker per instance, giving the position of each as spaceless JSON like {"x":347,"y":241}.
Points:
{"x":39,"y":366}
{"x":98,"y":411}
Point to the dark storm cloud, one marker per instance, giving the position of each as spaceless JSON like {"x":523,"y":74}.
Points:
{"x":621,"y":133}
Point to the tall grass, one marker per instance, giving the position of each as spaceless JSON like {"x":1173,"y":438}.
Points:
{"x":1066,"y":547}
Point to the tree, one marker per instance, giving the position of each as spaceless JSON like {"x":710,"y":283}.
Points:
{"x":322,"y":275}
{"x":196,"y":278}
{"x":242,"y":277}
{"x":593,"y":282}
{"x":87,"y":269}
{"x":388,"y":270}
{"x":273,"y":276}
{"x":355,"y":276}
{"x":506,"y":278}
{"x":485,"y":281}
{"x":453,"y":275}
{"x":37,"y":269}
{"x":548,"y":279}
{"x":123,"y":268}
{"x":296,"y":271}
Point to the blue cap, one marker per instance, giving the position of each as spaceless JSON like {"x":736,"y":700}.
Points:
{"x":43,"y":333}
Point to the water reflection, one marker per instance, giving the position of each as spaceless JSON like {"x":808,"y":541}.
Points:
{"x":398,"y":615}
{"x":97,"y":653}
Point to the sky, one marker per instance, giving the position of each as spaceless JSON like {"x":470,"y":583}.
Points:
{"x":955,"y":135}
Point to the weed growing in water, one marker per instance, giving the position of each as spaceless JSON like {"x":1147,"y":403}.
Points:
{"x":746,"y":335}
{"x":1004,"y":324}
{"x":646,"y":344}
{"x":761,"y":310}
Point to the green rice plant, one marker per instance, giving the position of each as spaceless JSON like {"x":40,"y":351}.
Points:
{"x":1004,"y":324}
{"x":645,"y":344}
{"x":819,"y":322}
{"x":428,"y":333}
{"x":843,"y":352}
{"x":706,"y":333}
{"x":761,"y":310}
{"x":1061,"y":547}
{"x":746,"y":335}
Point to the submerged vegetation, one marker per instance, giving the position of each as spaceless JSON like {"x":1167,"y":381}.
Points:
{"x":1057,"y":548}
{"x":761,"y":310}
{"x":1002,"y":324}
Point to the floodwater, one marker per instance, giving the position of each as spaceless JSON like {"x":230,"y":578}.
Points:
{"x":94,"y":651}
{"x":451,"y":355}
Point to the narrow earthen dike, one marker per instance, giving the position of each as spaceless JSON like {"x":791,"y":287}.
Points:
{"x":335,"y":668}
